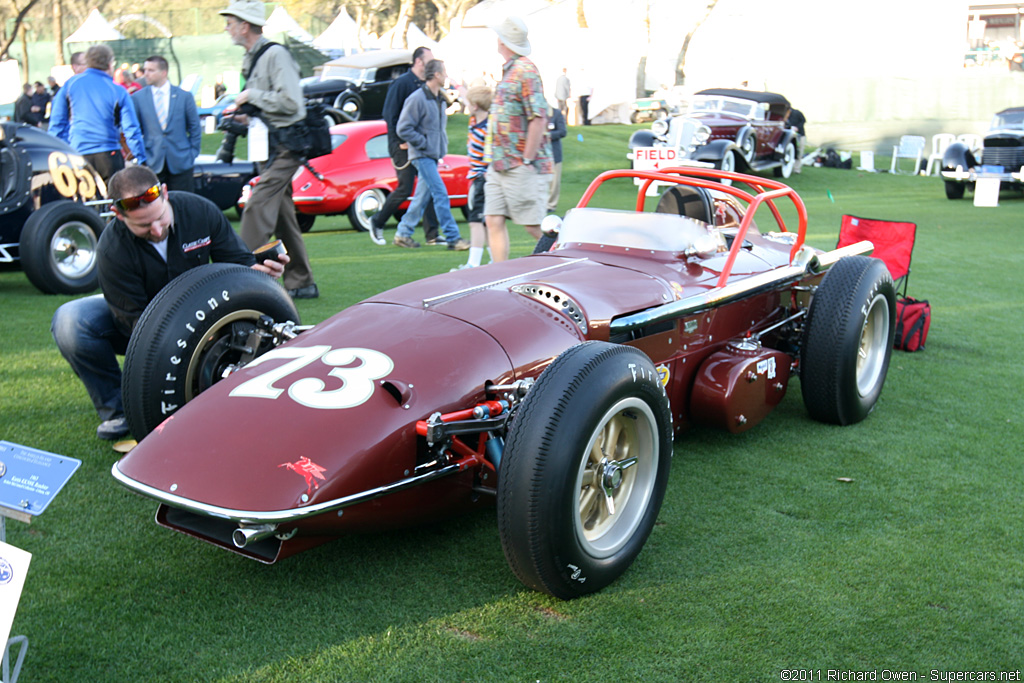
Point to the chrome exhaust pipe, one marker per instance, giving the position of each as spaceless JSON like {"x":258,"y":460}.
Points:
{"x":246,"y":535}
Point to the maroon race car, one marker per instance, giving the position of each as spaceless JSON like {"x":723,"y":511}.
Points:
{"x":570,"y":372}
{"x":357,"y":177}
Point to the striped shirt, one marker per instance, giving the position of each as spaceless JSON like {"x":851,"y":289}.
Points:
{"x":475,"y":147}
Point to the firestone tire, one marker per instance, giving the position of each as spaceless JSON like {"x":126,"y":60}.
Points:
{"x":58,"y":248}
{"x":190,"y":333}
{"x":847,"y":341}
{"x":574,"y":511}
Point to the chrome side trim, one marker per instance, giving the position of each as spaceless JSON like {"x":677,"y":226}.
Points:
{"x":427,"y":303}
{"x":308,"y":200}
{"x":253,"y":517}
{"x":805,"y":264}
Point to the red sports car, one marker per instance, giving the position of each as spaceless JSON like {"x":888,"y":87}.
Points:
{"x":358,"y":176}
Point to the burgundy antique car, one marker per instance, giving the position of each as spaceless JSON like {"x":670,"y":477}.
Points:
{"x":571,"y":371}
{"x":728,"y":129}
{"x":357,"y":177}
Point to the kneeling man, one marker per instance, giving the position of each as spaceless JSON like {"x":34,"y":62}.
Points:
{"x":155,"y":236}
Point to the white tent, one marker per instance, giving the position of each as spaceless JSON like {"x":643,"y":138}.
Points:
{"x":415,"y":38}
{"x":280,"y":22}
{"x":95,"y":29}
{"x":343,"y":35}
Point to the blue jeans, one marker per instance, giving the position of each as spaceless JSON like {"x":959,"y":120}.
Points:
{"x":89,"y":340}
{"x":429,"y":186}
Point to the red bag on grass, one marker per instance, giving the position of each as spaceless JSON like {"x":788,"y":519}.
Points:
{"x":913,"y":316}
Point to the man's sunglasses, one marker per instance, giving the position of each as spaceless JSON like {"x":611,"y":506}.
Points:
{"x":132,"y":203}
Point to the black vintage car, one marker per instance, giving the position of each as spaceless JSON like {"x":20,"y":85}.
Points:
{"x":51,"y":204}
{"x":355,"y":86}
{"x":1002,"y":156}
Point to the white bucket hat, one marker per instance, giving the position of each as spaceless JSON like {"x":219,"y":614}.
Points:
{"x":250,"y":11}
{"x":513,"y":33}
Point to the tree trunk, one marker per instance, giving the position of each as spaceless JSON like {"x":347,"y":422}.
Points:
{"x":58,"y":33}
{"x":16,"y":24}
{"x":24,"y":52}
{"x":681,"y":60}
{"x":405,"y":14}
{"x":581,"y":17}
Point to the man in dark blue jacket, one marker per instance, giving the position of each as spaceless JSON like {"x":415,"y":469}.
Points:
{"x":91,"y":112}
{"x":398,"y":92}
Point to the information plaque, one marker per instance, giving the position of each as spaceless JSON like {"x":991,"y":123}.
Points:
{"x":30,"y":478}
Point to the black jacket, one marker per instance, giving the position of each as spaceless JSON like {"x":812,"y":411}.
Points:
{"x":131,"y":271}
{"x":398,"y":93}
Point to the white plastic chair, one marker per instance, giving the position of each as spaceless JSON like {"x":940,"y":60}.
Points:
{"x":940,"y":142}
{"x":910,"y":147}
{"x":973,"y":141}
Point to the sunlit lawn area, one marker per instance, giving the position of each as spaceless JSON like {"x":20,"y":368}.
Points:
{"x":762,"y":559}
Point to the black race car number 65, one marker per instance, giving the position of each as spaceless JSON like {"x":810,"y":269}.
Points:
{"x":71,"y":176}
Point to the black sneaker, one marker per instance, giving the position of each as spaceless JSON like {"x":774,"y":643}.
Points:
{"x":377,"y":232}
{"x":307,"y":292}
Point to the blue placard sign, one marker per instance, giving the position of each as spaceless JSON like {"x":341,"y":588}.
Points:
{"x":31,"y":478}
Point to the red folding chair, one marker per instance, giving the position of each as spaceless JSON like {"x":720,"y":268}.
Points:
{"x":893,"y":240}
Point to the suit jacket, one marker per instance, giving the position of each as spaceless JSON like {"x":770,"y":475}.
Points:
{"x":177,"y":147}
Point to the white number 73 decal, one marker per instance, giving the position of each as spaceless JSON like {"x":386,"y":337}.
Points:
{"x":357,"y":381}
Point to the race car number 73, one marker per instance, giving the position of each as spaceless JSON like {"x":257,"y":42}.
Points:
{"x":357,"y":381}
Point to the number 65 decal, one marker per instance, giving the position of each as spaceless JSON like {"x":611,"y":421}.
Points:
{"x":357,"y":382}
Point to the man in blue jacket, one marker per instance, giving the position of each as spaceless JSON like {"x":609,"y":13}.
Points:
{"x":91,"y":111}
{"x":422,"y":126}
{"x":170,"y":127}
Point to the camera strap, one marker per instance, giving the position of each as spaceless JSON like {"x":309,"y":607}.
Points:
{"x":259,"y":53}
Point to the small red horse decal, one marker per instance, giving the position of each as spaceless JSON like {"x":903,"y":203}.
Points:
{"x":309,"y":471}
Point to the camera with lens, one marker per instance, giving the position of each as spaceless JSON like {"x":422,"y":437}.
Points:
{"x":233,"y":129}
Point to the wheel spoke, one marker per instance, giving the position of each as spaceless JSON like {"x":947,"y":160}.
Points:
{"x":588,"y":504}
{"x":609,"y":503}
{"x":611,"y":436}
{"x":626,"y":463}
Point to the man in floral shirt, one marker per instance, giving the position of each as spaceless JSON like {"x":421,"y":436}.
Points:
{"x":519,"y":176}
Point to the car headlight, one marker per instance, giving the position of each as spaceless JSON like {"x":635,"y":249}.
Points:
{"x":702,"y":135}
{"x":660,"y":127}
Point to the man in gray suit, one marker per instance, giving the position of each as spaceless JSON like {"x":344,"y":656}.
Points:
{"x":170,"y":127}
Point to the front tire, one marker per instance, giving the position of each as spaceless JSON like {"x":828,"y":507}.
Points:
{"x":954,"y":190}
{"x":788,"y":161}
{"x":305,"y":221}
{"x":366,"y":204}
{"x":190,"y":333}
{"x":349,"y":105}
{"x":727,"y":163}
{"x":58,"y":248}
{"x":847,"y":341}
{"x":584,"y":471}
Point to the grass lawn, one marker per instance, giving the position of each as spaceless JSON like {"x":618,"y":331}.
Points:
{"x":761,"y":559}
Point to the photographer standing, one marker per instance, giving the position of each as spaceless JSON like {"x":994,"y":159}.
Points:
{"x":272,"y":92}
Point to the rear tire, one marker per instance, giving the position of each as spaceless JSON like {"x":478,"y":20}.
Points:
{"x":585,"y":469}
{"x":847,"y":341}
{"x":58,"y":248}
{"x":305,"y":222}
{"x":366,"y":204}
{"x":190,"y":333}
